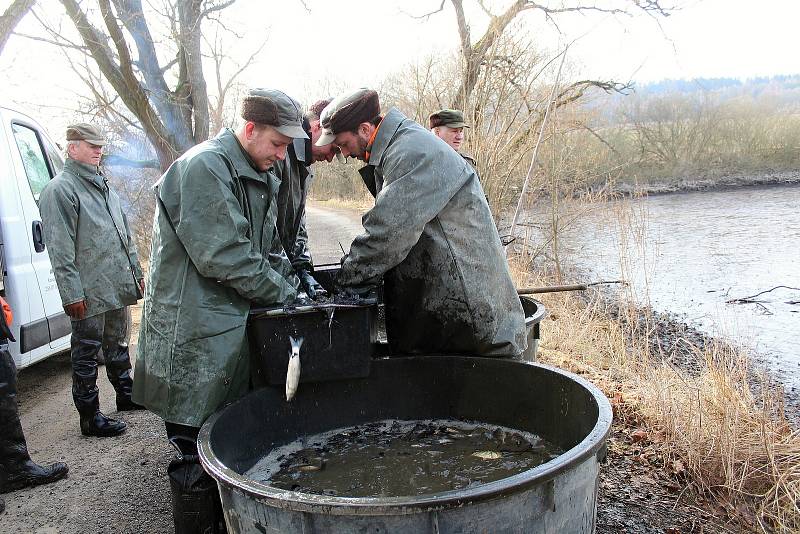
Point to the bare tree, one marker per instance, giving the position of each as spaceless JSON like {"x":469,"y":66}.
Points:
{"x":478,"y":54}
{"x":11,"y":17}
{"x":114,"y":32}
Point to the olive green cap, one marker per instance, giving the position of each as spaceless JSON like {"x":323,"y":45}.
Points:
{"x":452,"y":118}
{"x":274,"y":108}
{"x":83,"y":131}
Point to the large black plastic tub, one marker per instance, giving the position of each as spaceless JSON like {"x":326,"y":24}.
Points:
{"x":558,"y":496}
{"x":338,"y":340}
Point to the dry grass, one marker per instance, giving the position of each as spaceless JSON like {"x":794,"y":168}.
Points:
{"x":721,"y":431}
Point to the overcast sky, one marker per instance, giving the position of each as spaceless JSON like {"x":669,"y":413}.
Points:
{"x":356,"y":43}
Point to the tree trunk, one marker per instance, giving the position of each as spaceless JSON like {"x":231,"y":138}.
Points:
{"x":10,"y":19}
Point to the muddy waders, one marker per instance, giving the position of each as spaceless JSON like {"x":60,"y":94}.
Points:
{"x":108,"y":331}
{"x":17,"y":470}
{"x":196,"y":507}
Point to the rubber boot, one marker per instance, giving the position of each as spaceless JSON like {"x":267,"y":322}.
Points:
{"x":118,"y":360}
{"x":17,"y":470}
{"x":196,"y":506}
{"x":99,"y":425}
{"x":118,"y":369}
{"x":195,"y":498}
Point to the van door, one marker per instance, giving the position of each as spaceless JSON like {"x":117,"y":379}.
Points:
{"x":37,"y":162}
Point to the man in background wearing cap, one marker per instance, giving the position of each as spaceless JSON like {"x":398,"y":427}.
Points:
{"x":430,"y":236}
{"x":295,"y":174}
{"x":448,"y":125}
{"x":213,"y":232}
{"x":97,"y":272}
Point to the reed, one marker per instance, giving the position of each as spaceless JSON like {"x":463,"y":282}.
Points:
{"x":719,"y":428}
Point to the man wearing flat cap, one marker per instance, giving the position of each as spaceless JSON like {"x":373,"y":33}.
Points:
{"x":295,"y":173}
{"x":97,"y":271}
{"x":448,"y":125}
{"x":213,"y":234}
{"x":430,"y":235}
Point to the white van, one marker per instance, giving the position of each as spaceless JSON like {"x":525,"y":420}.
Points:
{"x":28,"y":160}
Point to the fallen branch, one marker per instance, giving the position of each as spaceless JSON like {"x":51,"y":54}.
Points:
{"x":750,"y":299}
{"x":571,"y":287}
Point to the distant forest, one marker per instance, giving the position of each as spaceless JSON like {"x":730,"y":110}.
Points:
{"x":781,"y":92}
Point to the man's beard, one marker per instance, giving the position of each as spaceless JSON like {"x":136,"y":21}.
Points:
{"x":362,"y":148}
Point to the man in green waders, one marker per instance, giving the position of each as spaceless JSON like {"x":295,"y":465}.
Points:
{"x":430,"y":237}
{"x":213,"y":231}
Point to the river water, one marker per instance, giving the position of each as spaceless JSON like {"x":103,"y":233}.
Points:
{"x":689,"y":253}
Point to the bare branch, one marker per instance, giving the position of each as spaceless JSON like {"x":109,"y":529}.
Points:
{"x":61,"y":44}
{"x":428,"y":15}
{"x":215,"y":7}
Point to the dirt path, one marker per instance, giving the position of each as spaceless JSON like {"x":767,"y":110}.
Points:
{"x":119,"y":485}
{"x":115,"y":484}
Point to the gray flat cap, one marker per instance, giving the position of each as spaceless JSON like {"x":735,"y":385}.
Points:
{"x":83,"y":131}
{"x":274,"y":108}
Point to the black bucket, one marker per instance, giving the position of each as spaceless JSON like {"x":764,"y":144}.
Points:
{"x":534,"y":313}
{"x":534,"y":310}
{"x":558,"y":496}
{"x":338,"y":340}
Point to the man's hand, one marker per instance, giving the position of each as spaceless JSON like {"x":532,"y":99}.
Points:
{"x":312,"y":288}
{"x":76,"y":310}
{"x":141,"y":286}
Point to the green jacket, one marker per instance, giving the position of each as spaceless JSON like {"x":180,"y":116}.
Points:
{"x":447,"y":286}
{"x":212,"y":234}
{"x":89,"y":240}
{"x":295,"y":176}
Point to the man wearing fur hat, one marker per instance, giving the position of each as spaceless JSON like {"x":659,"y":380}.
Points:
{"x":213,"y":233}
{"x":430,"y":236}
{"x":296,"y":174}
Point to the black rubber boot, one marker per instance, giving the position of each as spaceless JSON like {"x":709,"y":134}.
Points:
{"x":125,"y":404}
{"x":97,"y":424}
{"x":85,"y":344}
{"x":17,"y":470}
{"x":118,"y":360}
{"x":196,"y":506}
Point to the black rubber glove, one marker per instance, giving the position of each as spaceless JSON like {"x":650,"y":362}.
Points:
{"x":312,"y":288}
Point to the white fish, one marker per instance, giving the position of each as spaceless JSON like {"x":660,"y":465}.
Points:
{"x":487,"y":455}
{"x":293,"y":370}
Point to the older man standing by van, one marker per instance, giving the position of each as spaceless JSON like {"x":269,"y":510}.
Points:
{"x":97,"y":272}
{"x":430,"y":236}
{"x":213,"y":233}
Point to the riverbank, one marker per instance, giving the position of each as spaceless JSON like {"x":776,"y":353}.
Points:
{"x":697,"y":181}
{"x":699,"y":443}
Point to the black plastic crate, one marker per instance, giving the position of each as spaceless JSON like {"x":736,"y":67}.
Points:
{"x":338,"y":340}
